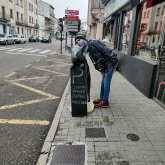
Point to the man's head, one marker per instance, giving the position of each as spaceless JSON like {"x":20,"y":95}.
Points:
{"x":80,"y":40}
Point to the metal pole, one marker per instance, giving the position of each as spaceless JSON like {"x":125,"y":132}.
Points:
{"x":66,"y":40}
{"x":71,"y":40}
{"x":61,"y":42}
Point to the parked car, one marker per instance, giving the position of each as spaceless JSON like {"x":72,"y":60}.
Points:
{"x":143,"y":45}
{"x":40,"y":38}
{"x":33,"y":38}
{"x":6,"y":39}
{"x":46,"y":39}
{"x":19,"y":39}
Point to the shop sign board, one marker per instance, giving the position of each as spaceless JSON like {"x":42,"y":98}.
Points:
{"x":72,"y":17}
{"x":72,"y":30}
{"x":72,"y":23}
{"x":114,"y":5}
{"x":72,"y":12}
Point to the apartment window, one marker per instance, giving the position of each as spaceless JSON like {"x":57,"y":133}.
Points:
{"x":17,"y":30}
{"x":11,"y":13}
{"x":126,"y":31}
{"x":36,"y":11}
{"x":32,"y":8}
{"x":21,"y":17}
{"x":156,"y":26}
{"x":163,"y":11}
{"x":29,"y":6}
{"x":158,"y":12}
{"x":29,"y":19}
{"x":3,"y":12}
{"x":17,"y":16}
{"x":148,"y":13}
{"x":17,"y":2}
{"x":21,"y":3}
{"x":32,"y":20}
{"x":144,"y":15}
{"x":10,"y":0}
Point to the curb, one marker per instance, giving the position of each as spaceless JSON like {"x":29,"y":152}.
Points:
{"x":42,"y":160}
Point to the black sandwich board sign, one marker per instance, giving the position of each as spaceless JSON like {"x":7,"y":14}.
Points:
{"x":78,"y":91}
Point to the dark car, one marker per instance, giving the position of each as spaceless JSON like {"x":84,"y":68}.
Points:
{"x":143,"y":45}
{"x":33,"y":38}
{"x":46,"y":39}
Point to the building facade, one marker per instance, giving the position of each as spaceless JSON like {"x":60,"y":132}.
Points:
{"x":46,"y":19}
{"x":19,"y":17}
{"x":138,"y":31}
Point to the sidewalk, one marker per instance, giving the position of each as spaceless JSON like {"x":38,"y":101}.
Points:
{"x":104,"y":132}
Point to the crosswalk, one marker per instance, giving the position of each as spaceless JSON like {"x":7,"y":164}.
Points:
{"x":27,"y":50}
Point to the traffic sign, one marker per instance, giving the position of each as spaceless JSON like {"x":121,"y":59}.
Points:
{"x":72,"y":17}
{"x":72,"y":12}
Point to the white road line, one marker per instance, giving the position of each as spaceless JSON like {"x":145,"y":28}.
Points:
{"x":10,"y":50}
{"x":24,"y":50}
{"x":28,"y":65}
{"x":2,"y":48}
{"x":10,"y":74}
{"x":25,"y":54}
{"x":36,"y":50}
{"x":45,"y":51}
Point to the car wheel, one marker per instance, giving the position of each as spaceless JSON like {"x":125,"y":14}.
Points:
{"x":6,"y":43}
{"x":13,"y":42}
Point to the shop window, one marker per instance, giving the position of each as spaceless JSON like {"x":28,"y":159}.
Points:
{"x":150,"y":40}
{"x":126,"y":31}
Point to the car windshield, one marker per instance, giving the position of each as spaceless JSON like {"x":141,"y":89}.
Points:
{"x":16,"y":36}
{"x":2,"y":35}
{"x":46,"y":37}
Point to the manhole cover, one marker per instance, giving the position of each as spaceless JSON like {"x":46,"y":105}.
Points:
{"x":133,"y":137}
{"x":69,"y":155}
{"x":95,"y":132}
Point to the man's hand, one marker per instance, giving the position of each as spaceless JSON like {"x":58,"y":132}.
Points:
{"x":102,"y":73}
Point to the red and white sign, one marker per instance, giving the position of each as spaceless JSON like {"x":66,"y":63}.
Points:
{"x":72,"y":17}
{"x":72,"y":12}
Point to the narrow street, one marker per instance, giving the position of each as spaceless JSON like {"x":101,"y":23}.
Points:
{"x":32,"y":80}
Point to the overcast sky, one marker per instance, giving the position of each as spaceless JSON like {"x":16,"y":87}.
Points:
{"x":61,"y":5}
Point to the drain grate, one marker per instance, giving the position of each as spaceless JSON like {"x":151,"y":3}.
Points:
{"x":69,"y":155}
{"x":133,"y":137}
{"x":95,"y":132}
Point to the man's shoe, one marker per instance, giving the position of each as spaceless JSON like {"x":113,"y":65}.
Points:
{"x":97,"y":101}
{"x":102,"y":104}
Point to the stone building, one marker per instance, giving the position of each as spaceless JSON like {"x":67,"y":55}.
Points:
{"x":19,"y":17}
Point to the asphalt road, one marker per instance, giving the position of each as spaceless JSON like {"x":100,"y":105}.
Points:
{"x":32,"y":82}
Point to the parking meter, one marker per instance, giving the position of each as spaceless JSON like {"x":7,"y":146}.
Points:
{"x":80,"y":82}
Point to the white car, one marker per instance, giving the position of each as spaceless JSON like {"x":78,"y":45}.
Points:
{"x":19,"y":39}
{"x":6,"y":39}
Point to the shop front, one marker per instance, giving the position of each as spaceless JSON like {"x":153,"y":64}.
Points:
{"x":138,"y":32}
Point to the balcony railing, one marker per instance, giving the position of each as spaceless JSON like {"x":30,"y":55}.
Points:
{"x":4,"y":17}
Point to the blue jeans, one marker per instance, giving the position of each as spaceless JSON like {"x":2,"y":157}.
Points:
{"x":106,"y":82}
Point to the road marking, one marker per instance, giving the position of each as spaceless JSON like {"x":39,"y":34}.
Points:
{"x":52,"y":53}
{"x":26,"y":103}
{"x":1,"y":48}
{"x":10,"y":50}
{"x":28,"y":65}
{"x":26,"y":122}
{"x":33,"y":89}
{"x":31,"y":78}
{"x":36,"y":50}
{"x":25,"y":54}
{"x":45,"y":51}
{"x":50,"y":71}
{"x":10,"y":74}
{"x":24,"y":50}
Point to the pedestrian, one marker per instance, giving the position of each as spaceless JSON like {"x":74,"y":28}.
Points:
{"x":105,"y":61}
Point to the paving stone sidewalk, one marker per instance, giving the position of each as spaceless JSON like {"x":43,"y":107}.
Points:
{"x":129,"y":112}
